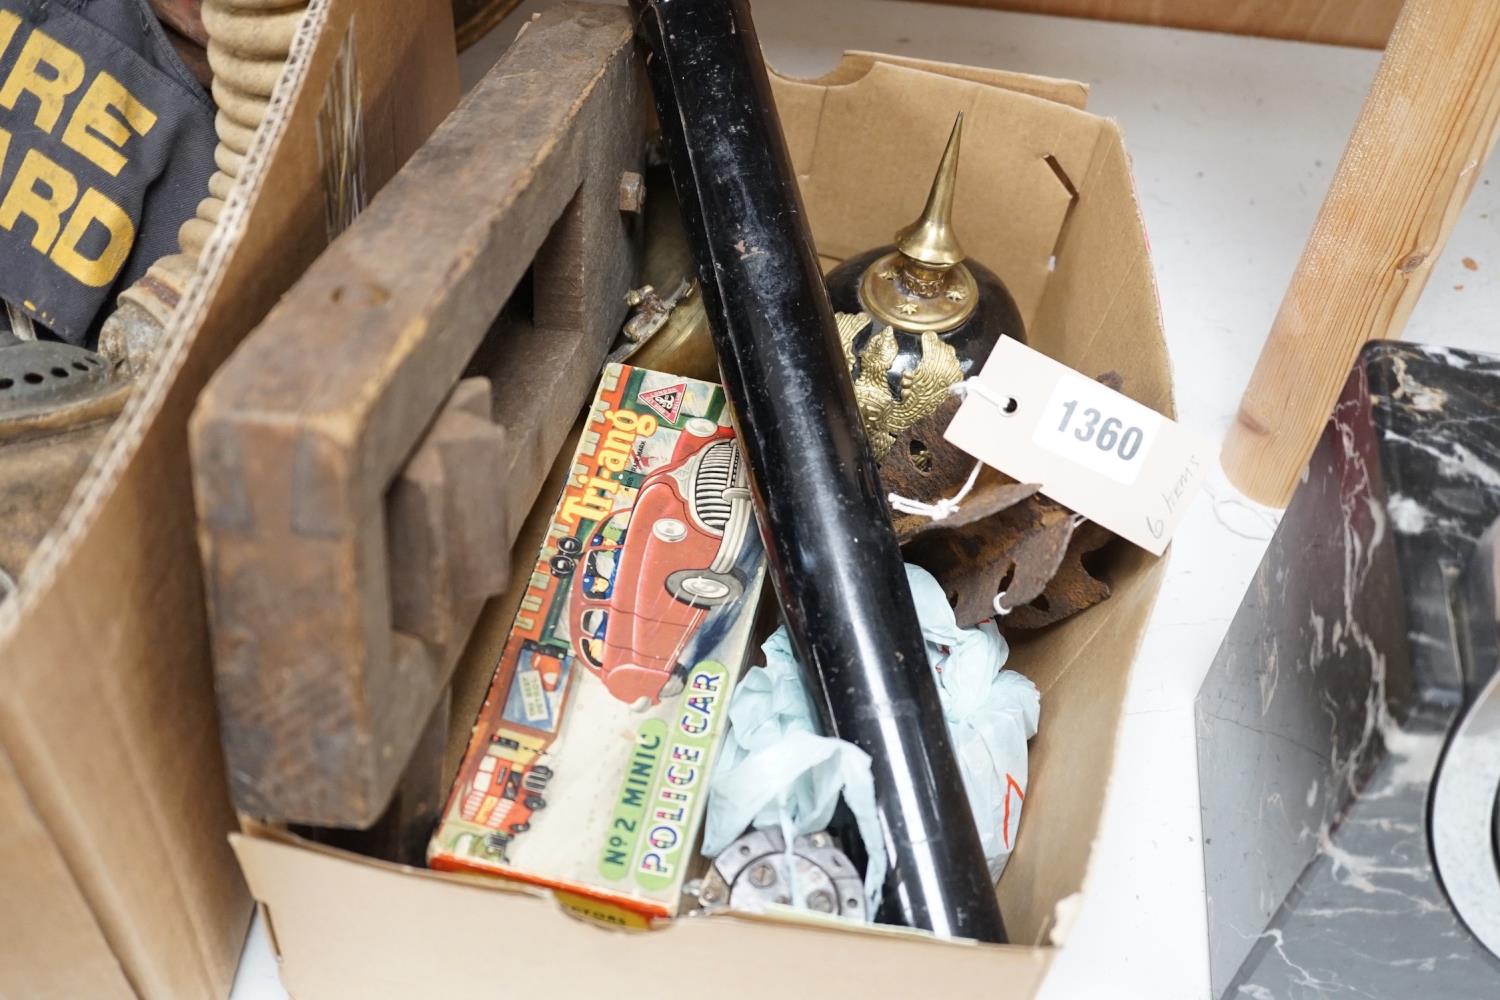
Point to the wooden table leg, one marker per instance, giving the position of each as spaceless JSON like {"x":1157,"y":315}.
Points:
{"x":1415,"y":153}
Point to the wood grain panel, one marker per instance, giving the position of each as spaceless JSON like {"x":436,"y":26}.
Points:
{"x":1416,"y":151}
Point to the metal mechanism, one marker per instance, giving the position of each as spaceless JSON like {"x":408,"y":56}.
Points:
{"x":40,"y":375}
{"x":650,"y":313}
{"x":756,"y":871}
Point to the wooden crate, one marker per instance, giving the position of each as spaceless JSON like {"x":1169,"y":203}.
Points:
{"x":119,"y":881}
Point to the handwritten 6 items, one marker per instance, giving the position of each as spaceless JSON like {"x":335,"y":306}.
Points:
{"x":1096,"y":451}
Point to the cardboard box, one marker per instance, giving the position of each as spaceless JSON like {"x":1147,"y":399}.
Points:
{"x":115,"y":877}
{"x":588,"y":767}
{"x":1044,"y":198}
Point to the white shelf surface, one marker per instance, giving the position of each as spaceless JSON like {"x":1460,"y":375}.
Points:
{"x":1233,"y":142}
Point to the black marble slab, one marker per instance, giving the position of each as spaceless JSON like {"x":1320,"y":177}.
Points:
{"x":1326,"y":712}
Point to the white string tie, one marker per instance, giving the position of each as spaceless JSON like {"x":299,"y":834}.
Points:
{"x":945,"y":508}
{"x":940,"y":509}
{"x":1004,"y":403}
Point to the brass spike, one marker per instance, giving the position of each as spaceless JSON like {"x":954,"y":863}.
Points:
{"x":923,"y":284}
{"x":931,"y":240}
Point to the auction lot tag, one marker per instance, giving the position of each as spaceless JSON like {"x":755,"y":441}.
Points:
{"x":1093,"y":450}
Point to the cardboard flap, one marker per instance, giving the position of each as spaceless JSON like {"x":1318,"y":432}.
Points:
{"x":856,"y":64}
{"x":1101,"y":311}
{"x":438,"y":935}
{"x":1082,"y":667}
{"x":865,"y":152}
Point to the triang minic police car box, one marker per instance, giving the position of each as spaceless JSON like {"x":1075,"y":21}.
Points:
{"x":588,"y":767}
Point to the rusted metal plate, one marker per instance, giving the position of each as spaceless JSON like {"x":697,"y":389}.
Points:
{"x":1013,"y":553}
{"x":1003,"y":537}
{"x":1072,"y":588}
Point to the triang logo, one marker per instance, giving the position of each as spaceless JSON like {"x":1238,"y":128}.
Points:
{"x":666,"y":401}
{"x":595,"y":496}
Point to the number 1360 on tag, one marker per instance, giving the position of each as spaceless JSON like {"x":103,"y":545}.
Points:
{"x":1087,"y":423}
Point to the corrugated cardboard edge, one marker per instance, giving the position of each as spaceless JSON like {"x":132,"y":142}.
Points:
{"x":107,"y":636}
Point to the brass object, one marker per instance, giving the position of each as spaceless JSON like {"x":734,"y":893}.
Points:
{"x":649,"y":314}
{"x":923,"y":388}
{"x":923,"y":284}
{"x":682,"y":345}
{"x":930,"y":319}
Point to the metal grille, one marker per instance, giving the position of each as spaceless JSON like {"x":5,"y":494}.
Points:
{"x":39,"y":375}
{"x":716,"y":473}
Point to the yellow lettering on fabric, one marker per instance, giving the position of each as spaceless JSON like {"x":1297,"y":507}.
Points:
{"x":93,"y":129}
{"x":25,"y":198}
{"x":9,"y":22}
{"x":50,"y":89}
{"x":95,"y":272}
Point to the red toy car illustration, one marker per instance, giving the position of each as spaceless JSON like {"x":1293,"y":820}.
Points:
{"x":648,"y":575}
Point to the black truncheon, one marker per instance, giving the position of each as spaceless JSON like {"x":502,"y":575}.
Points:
{"x":834,"y":560}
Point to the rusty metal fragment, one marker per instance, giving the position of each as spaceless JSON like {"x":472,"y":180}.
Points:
{"x":1004,"y":537}
{"x":921,"y":464}
{"x":1015,"y":552}
{"x":1072,"y":588}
